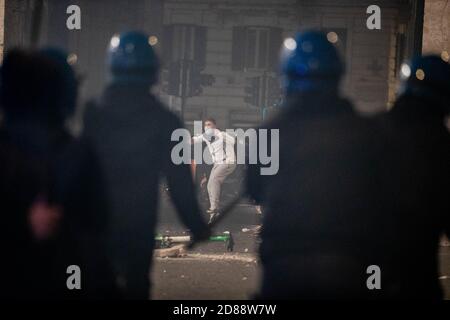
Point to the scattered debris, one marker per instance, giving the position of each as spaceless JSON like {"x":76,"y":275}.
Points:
{"x":173,"y":252}
{"x":238,"y":257}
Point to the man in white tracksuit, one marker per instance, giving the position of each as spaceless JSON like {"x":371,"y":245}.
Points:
{"x":221,"y":147}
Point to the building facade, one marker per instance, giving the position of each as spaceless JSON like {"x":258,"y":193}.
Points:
{"x":235,"y":42}
{"x":243,"y":38}
{"x":100,"y":20}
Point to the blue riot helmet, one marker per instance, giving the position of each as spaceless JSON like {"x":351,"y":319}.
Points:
{"x":310,"y":62}
{"x":65,"y":63}
{"x":131,"y":59}
{"x":427,"y":77}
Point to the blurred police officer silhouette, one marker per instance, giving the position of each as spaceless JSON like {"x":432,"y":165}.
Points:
{"x":19,"y":183}
{"x":417,"y":176}
{"x":132,"y":131}
{"x":320,"y":207}
{"x":64,"y":207}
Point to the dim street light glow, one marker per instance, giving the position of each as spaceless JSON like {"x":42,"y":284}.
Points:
{"x":420,"y":74}
{"x":152,"y":40}
{"x":72,"y":59}
{"x":290,"y":44}
{"x":445,"y":56}
{"x":332,"y":37}
{"x":115,"y":41}
{"x":405,"y":71}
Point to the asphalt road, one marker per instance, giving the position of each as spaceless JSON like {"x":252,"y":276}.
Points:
{"x":210,"y":272}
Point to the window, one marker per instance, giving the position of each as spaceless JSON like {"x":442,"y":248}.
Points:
{"x":255,"y":48}
{"x":184,"y":42}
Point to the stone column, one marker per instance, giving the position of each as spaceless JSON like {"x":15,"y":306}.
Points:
{"x":436,"y":30}
{"x":2,"y":27}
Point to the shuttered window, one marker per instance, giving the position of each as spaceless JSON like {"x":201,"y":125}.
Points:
{"x":184,"y":42}
{"x":255,"y":48}
{"x":238,"y":48}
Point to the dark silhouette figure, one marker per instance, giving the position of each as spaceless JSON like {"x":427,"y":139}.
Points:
{"x":50,"y":187}
{"x":132,"y":133}
{"x":320,"y":225}
{"x":417,"y":178}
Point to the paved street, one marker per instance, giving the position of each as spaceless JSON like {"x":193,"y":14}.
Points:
{"x":210,"y":272}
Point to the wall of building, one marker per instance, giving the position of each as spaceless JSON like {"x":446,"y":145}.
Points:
{"x":372,"y":56}
{"x":17,"y":22}
{"x":2,"y":28}
{"x":100,"y":20}
{"x":437,"y":27}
